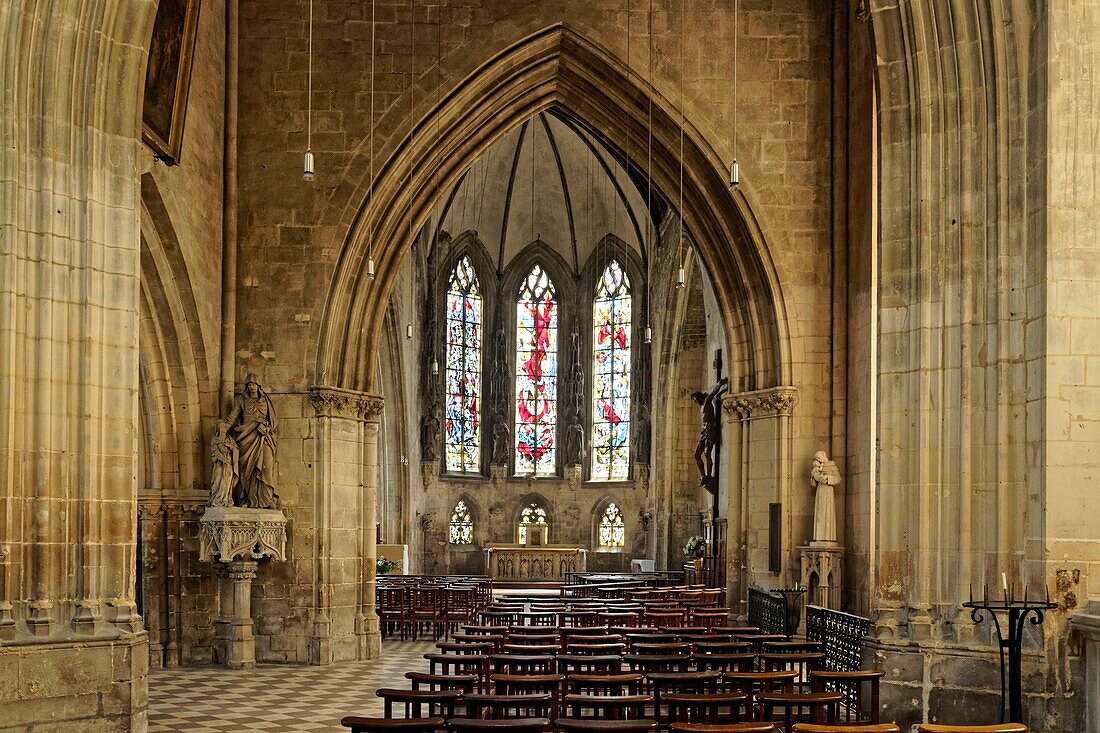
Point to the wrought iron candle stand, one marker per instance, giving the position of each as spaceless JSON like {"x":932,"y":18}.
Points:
{"x":1009,"y":616}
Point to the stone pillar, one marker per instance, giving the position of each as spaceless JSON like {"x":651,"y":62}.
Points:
{"x":69,"y":263}
{"x":236,"y":646}
{"x":345,"y":621}
{"x":368,"y":631}
{"x":765,"y":466}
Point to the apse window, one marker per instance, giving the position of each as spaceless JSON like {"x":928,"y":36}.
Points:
{"x":612,"y":532}
{"x":611,"y":376}
{"x":462,"y":525}
{"x":536,"y":375}
{"x":462,"y":430}
{"x":533,"y":525}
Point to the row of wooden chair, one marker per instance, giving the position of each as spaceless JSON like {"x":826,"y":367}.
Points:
{"x":412,"y":608}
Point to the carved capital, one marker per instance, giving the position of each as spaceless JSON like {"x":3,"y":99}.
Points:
{"x":777,"y":401}
{"x":345,"y":403}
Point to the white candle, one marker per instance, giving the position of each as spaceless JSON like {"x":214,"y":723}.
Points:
{"x":1004,"y":581}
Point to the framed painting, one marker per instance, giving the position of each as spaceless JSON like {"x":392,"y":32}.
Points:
{"x":168,"y":76}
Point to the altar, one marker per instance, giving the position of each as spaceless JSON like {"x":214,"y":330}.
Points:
{"x":545,"y":562}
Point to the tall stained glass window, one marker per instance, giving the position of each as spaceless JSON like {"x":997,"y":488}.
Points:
{"x":612,"y":532}
{"x":611,"y":376}
{"x":531,"y":520}
{"x":463,"y":373}
{"x":536,"y":375}
{"x":462,"y":525}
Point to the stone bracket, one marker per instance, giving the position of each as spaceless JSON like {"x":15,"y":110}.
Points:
{"x":231,"y":533}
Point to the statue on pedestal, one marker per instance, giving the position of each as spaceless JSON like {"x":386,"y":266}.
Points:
{"x":225,"y":456}
{"x":824,"y":478}
{"x":710,"y":431}
{"x":254,"y":428}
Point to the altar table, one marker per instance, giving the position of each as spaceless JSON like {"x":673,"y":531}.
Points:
{"x":547,"y":562}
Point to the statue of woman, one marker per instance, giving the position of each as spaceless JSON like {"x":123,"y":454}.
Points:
{"x":224,"y":454}
{"x":253,"y":419}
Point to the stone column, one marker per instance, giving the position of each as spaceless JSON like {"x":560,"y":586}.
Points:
{"x":236,"y":646}
{"x":345,"y":621}
{"x":69,"y":263}
{"x":766,"y":461}
{"x":371,"y":645}
{"x":1087,"y":623}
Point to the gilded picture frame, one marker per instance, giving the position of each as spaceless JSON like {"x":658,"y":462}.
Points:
{"x":168,"y":77}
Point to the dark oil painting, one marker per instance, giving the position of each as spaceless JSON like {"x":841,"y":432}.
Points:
{"x":168,"y":76}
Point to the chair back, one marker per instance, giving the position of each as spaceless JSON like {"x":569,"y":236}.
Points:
{"x":997,"y":728}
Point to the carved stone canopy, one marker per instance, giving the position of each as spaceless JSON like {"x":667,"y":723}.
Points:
{"x":233,"y":533}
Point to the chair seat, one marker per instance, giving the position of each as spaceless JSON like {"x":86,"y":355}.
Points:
{"x":997,"y":728}
{"x":849,"y":728}
{"x":359,"y":724}
{"x":722,"y":728}
{"x":587,"y":725}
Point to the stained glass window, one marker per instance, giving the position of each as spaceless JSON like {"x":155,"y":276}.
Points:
{"x":536,"y":375}
{"x":462,"y":526}
{"x":612,"y":533}
{"x":463,"y":373}
{"x":611,"y":376}
{"x":531,"y":515}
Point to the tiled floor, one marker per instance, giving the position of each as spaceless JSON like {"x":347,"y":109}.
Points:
{"x":277,"y":698}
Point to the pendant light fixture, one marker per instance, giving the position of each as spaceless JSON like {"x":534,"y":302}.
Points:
{"x":649,"y":174}
{"x":373,"y":122}
{"x":735,"y":170}
{"x":307,"y":160}
{"x":408,"y":330}
{"x":680,"y":279}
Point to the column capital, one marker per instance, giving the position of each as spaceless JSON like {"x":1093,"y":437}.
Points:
{"x":345,"y":403}
{"x":774,"y":401}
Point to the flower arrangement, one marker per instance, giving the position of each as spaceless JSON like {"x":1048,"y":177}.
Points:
{"x":385,"y":566}
{"x":695,"y":546}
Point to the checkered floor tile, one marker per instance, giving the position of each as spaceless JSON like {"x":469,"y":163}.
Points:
{"x":277,"y":698}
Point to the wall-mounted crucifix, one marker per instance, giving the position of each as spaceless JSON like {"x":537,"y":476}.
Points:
{"x":708,"y":450}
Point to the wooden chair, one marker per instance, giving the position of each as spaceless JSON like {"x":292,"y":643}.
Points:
{"x":856,"y":707}
{"x":526,"y":705}
{"x":522,"y":663}
{"x":786,"y":709}
{"x":359,"y":724}
{"x":460,"y":682}
{"x":805,"y":663}
{"x":790,"y":647}
{"x":1002,"y":728}
{"x":663,"y":684}
{"x":737,"y":662}
{"x":846,"y":728}
{"x":615,"y":648}
{"x":607,"y":707}
{"x":589,"y":663}
{"x":457,"y":664}
{"x":756,"y":727}
{"x":624,"y":683}
{"x":647,"y":663}
{"x":756,"y":684}
{"x":527,"y":649}
{"x":439,"y":703}
{"x":722,"y":707}
{"x":674,"y":647}
{"x":465,"y":647}
{"x":584,"y":725}
{"x":507,"y":725}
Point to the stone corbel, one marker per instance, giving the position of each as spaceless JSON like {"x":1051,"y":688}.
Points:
{"x":345,"y":403}
{"x":772,"y":402}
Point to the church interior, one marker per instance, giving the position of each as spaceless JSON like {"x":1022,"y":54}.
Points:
{"x":418,"y":366}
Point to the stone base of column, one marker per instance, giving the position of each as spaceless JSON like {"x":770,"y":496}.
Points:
{"x":320,"y":641}
{"x":370,"y":635}
{"x":235,"y":646}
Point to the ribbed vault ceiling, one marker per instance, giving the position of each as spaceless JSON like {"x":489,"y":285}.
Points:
{"x":551,"y":180}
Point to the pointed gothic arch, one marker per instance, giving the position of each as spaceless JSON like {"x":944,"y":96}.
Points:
{"x":556,"y":67}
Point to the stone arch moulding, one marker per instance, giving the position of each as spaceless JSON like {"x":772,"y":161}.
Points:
{"x":555,"y":67}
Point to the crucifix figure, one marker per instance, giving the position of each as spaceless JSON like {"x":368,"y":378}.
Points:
{"x":709,"y":404}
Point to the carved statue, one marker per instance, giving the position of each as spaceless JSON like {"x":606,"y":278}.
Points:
{"x":225,"y":456}
{"x":574,"y":445}
{"x":709,"y":433}
{"x":429,"y":436}
{"x":254,"y":427}
{"x":641,"y":436}
{"x":824,"y":478}
{"x":502,"y":443}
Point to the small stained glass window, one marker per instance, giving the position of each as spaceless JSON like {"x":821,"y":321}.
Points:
{"x":531,"y":519}
{"x":462,"y":525}
{"x":536,"y":375}
{"x":611,"y":340}
{"x":612,"y":533}
{"x":462,"y":431}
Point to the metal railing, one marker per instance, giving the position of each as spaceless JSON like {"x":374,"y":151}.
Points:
{"x":768,"y":611}
{"x":840,"y":634}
